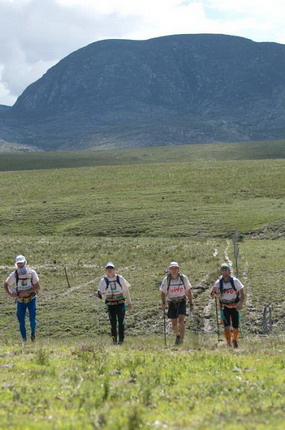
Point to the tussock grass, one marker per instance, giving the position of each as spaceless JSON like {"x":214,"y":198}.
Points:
{"x":91,"y":385}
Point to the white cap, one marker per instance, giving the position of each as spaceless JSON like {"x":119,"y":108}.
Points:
{"x":110,"y":264}
{"x":20,"y":259}
{"x":173,"y":264}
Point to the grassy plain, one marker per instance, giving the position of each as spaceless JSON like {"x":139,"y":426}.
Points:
{"x":168,"y":154}
{"x":195,"y":199}
{"x":142,"y":215}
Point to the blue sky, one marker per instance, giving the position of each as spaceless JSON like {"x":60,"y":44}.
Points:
{"x":36,"y":34}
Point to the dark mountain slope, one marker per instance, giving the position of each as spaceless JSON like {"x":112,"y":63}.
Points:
{"x":168,"y":90}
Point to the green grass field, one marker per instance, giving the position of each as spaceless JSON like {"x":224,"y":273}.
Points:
{"x":91,"y":385}
{"x":143,"y":208}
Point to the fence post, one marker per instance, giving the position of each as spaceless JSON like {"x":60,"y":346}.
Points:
{"x":66,"y":276}
{"x":267,"y":320}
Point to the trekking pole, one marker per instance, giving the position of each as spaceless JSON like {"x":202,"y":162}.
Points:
{"x":217,"y":319}
{"x":164,"y":327}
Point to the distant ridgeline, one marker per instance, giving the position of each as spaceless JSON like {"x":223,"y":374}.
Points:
{"x":169,"y":90}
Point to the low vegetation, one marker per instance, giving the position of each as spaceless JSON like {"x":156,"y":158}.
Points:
{"x":142,"y":216}
{"x":91,"y":385}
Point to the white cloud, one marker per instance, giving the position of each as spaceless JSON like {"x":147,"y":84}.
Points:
{"x":35,"y":34}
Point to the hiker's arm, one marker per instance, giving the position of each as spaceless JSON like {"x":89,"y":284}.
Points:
{"x":215,"y":292}
{"x":128,"y":299}
{"x":101,"y":289}
{"x":6,"y":288}
{"x":33,"y":289}
{"x":163,"y":300}
{"x":242,"y":299}
{"x":190,"y":298}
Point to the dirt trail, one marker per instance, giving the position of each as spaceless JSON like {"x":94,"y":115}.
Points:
{"x":226,"y":253}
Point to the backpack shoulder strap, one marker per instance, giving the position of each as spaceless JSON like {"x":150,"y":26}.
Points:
{"x":17,"y":279}
{"x":232,"y":283}
{"x":168,"y":281}
{"x":182,"y":279}
{"x":107,"y":282}
{"x":221,"y":282}
{"x":118,"y":280}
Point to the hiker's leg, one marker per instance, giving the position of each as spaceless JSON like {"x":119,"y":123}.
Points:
{"x":113,"y":320}
{"x":235,"y":324}
{"x":175,"y":326}
{"x":181,"y":318}
{"x":181,"y":326}
{"x":32,"y":314}
{"x":21,"y":315}
{"x":227,"y":324}
{"x":121,"y":321}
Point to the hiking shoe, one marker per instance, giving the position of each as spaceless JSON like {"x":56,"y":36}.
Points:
{"x":115,"y":342}
{"x":235,"y":344}
{"x":229,"y":345}
{"x":33,"y":338}
{"x":120,"y":342}
{"x":177,"y":340}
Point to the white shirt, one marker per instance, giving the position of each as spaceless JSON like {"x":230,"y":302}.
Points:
{"x":177,"y":290}
{"x":114,"y":288}
{"x":229,"y":294}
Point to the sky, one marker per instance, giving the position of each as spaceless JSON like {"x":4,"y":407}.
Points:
{"x":36,"y":34}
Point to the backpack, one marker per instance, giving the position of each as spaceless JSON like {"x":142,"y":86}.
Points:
{"x":108,"y":282}
{"x":221,"y":282}
{"x":31,"y":295}
{"x":114,"y":299}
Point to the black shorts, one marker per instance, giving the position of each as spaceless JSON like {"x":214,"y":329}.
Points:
{"x":176,"y":308}
{"x":231,"y":315}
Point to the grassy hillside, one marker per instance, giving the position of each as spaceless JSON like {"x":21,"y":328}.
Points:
{"x":165,"y":154}
{"x":142,"y":216}
{"x":195,"y":199}
{"x":68,"y":312}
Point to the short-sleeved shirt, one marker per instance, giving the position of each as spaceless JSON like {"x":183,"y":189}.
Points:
{"x":229,"y":294}
{"x":115,"y":291}
{"x":177,"y":289}
{"x":25,"y":281}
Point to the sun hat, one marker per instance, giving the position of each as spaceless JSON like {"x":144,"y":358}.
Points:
{"x":173,"y":264}
{"x":109,"y":265}
{"x":20,"y":259}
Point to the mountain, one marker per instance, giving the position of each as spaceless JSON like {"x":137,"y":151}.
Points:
{"x":168,"y":90}
{"x":4,"y":108}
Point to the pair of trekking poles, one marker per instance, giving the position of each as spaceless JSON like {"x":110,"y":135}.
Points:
{"x":217,"y":320}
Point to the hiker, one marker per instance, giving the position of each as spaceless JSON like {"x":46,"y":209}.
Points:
{"x":230,"y":292}
{"x":174,"y":289}
{"x":25,"y":283}
{"x":117,"y":299}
